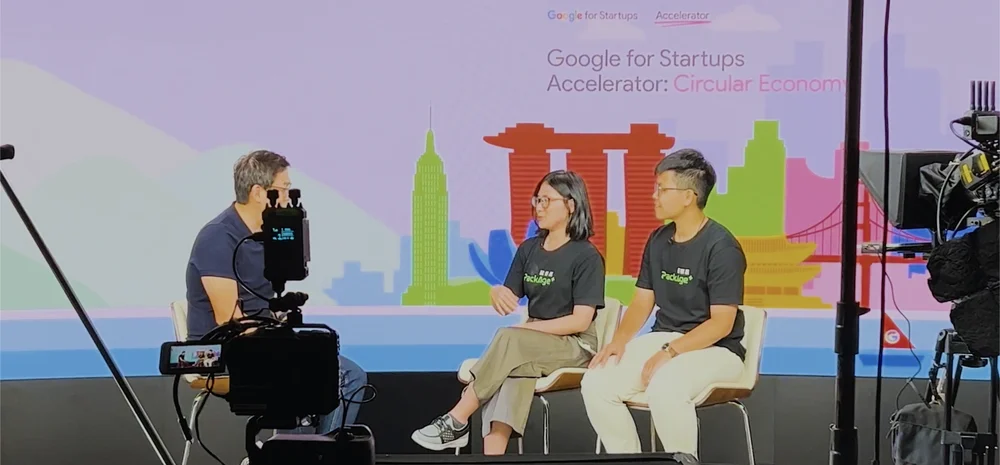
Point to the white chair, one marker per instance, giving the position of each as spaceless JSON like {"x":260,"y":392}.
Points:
{"x":730,"y":393}
{"x":563,"y":378}
{"x":220,"y":385}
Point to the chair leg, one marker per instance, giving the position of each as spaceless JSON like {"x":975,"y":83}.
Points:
{"x":746,"y":430}
{"x":545,"y":425}
{"x":698,"y":430}
{"x":597,"y":450}
{"x":520,"y":445}
{"x":652,"y":433}
{"x":198,"y":400}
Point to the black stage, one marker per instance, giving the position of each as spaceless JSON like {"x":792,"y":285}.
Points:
{"x":661,"y":458}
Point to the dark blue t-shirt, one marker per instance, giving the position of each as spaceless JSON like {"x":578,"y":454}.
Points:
{"x":212,"y":255}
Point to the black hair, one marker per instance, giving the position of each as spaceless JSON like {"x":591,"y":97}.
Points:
{"x":571,"y":186}
{"x":693,"y":172}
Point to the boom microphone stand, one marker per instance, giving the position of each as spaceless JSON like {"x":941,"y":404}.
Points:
{"x":7,"y":152}
{"x":844,"y":443}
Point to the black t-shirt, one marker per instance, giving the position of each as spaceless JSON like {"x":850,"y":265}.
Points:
{"x":557,"y":280}
{"x":688,"y":277}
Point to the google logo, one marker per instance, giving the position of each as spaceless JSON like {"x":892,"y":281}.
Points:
{"x":570,"y":16}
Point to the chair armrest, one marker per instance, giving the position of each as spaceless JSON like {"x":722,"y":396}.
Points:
{"x":560,"y":380}
{"x":465,"y":370}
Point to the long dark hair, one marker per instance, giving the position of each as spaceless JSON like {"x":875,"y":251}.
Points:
{"x":571,"y":186}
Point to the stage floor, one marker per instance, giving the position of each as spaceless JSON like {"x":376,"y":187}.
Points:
{"x":605,"y":459}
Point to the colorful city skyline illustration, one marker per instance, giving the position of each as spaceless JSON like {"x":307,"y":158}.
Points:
{"x":782,"y":264}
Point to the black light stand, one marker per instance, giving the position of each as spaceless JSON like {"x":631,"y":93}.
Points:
{"x":130,"y":398}
{"x":844,"y":432}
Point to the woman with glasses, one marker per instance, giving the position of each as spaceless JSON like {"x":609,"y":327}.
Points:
{"x":562,"y":274}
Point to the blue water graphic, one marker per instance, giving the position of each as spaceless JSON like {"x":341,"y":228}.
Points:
{"x":45,"y":349}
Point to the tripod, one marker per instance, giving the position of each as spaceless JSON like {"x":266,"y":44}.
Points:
{"x":982,"y":445}
{"x":6,"y":153}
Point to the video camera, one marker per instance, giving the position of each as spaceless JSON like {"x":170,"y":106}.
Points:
{"x":947,"y":192}
{"x":279,"y":369}
{"x":954,"y":195}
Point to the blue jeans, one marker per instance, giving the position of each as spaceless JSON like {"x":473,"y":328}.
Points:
{"x":352,"y":379}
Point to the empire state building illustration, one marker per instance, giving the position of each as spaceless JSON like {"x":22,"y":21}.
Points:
{"x":430,"y":228}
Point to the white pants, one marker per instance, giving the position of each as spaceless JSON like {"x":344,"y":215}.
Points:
{"x":670,"y":393}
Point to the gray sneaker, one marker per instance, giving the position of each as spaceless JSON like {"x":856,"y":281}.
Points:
{"x":443,"y":433}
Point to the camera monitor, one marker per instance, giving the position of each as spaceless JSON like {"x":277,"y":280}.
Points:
{"x":905,"y":207}
{"x":196,"y":358}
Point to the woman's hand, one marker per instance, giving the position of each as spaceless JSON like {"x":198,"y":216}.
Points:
{"x":503,"y":300}
{"x":611,"y":349}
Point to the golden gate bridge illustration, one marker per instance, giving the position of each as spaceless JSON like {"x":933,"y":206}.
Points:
{"x":778,"y":267}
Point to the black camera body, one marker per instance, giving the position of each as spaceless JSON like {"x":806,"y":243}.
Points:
{"x":280,"y":369}
{"x":285,"y":234}
{"x":283,"y":369}
{"x":979,"y":172}
{"x":948,"y":192}
{"x":283,"y":373}
{"x":964,"y":270}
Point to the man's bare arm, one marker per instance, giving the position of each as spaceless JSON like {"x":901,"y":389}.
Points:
{"x":223,"y":294}
{"x":710,"y":331}
{"x":635,"y":316}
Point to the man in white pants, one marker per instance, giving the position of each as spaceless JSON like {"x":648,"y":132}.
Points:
{"x":692,"y":269}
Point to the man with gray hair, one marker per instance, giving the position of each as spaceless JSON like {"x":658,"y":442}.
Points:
{"x":213,"y":296}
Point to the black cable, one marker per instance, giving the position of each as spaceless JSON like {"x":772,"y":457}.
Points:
{"x":920,"y":365}
{"x":939,"y":233}
{"x":236,"y":272}
{"x":210,"y":383}
{"x":236,"y":306}
{"x":958,"y":225}
{"x":234,"y":328}
{"x":346,"y":401}
{"x":185,"y":429}
{"x":974,"y":145}
{"x":885,"y":234}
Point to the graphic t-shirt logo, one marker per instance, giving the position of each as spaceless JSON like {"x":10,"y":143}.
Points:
{"x":542,"y":278}
{"x":682,"y":276}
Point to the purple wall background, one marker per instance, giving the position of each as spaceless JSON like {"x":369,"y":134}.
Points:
{"x":343,"y":88}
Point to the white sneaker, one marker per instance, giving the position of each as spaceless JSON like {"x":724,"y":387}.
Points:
{"x":443,"y":433}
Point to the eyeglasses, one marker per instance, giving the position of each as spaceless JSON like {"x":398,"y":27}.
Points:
{"x":543,"y":202}
{"x":660,"y":190}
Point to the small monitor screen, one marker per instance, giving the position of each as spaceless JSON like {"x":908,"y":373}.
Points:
{"x":195,"y":356}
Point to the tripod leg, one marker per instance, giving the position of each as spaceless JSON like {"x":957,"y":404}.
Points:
{"x":994,"y":395}
{"x":956,"y":381}
{"x":932,"y":372}
{"x":949,"y":363}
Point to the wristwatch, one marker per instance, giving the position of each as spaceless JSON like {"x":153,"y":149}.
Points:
{"x":670,"y":350}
